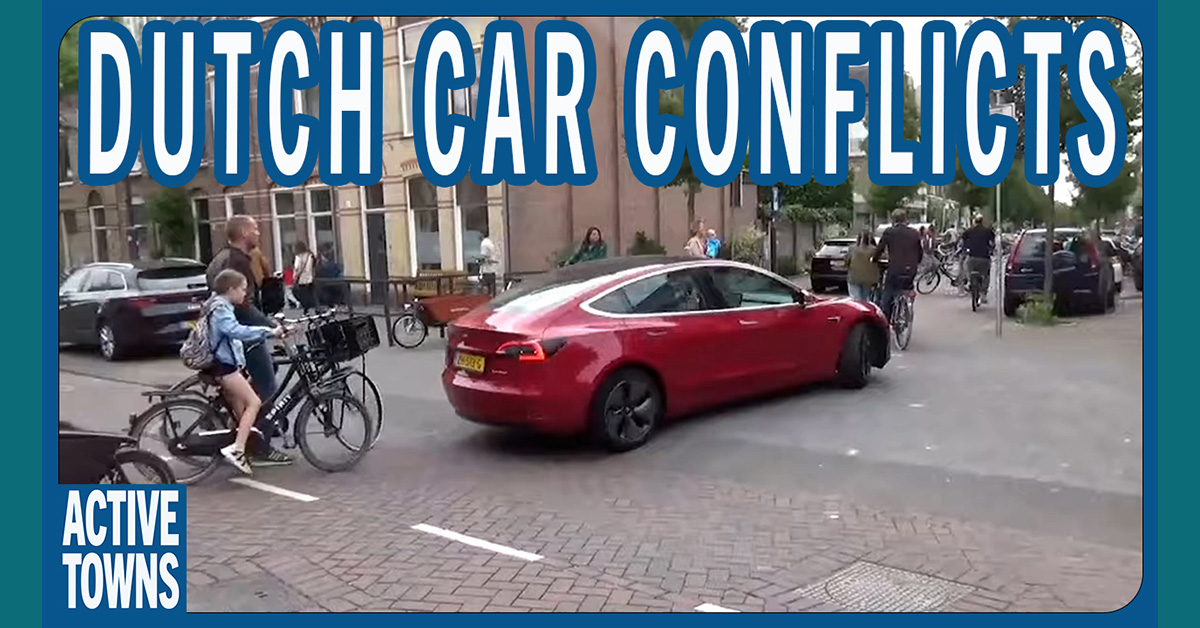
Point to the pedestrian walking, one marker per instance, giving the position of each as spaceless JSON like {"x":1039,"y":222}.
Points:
{"x":592,"y":247}
{"x":243,"y":236}
{"x":329,"y":270}
{"x":304,"y":268}
{"x":489,"y":261}
{"x":697,"y":245}
{"x":864,"y":274}
{"x":714,"y":244}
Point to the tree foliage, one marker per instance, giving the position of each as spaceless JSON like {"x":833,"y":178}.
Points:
{"x":68,"y":59}
{"x":171,"y":213}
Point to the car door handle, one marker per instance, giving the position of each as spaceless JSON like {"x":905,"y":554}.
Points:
{"x":656,"y":334}
{"x":747,"y":323}
{"x":834,"y":319}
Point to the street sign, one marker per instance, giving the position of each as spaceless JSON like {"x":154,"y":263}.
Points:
{"x":1010,"y":110}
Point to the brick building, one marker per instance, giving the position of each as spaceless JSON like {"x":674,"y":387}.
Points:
{"x":404,"y":225}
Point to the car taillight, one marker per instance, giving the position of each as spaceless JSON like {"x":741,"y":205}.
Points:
{"x":142,"y":302}
{"x":531,"y":350}
{"x":1012,"y":254}
{"x":1095,"y":257}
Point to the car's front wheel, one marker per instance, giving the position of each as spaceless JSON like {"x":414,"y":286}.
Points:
{"x":626,"y":410}
{"x":854,"y":366}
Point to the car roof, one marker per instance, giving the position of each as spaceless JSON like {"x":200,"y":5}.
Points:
{"x":154,"y":264}
{"x":846,"y":240}
{"x":1056,"y":230}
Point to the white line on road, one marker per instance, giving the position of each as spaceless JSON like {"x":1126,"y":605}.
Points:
{"x":713,"y":608}
{"x":262,"y":486}
{"x":474,"y":542}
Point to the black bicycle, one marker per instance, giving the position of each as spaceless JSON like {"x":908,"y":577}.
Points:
{"x":327,"y":410}
{"x":354,"y":379}
{"x":976,"y":288}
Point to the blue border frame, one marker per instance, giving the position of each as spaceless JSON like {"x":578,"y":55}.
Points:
{"x":58,"y":16}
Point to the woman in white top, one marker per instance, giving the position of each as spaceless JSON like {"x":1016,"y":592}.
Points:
{"x":489,"y":260}
{"x":303,"y":267}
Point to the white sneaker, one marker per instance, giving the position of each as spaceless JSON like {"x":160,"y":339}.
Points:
{"x":237,"y":458}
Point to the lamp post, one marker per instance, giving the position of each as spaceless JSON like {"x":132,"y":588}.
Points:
{"x":1005,"y":109}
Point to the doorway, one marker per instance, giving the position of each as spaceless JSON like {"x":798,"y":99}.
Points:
{"x":377,"y":257}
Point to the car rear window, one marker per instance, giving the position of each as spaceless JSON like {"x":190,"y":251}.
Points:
{"x":835,"y":248}
{"x":173,"y":278}
{"x":1033,"y":245}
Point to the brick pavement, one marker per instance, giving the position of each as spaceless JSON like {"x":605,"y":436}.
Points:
{"x":613,"y":540}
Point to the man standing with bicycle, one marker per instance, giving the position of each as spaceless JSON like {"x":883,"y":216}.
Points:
{"x":902,"y":244}
{"x":242,"y":235}
{"x":978,"y":243}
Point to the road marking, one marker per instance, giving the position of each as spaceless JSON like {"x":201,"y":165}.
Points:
{"x":474,"y":542}
{"x":916,"y":405}
{"x":262,"y":486}
{"x":713,"y":608}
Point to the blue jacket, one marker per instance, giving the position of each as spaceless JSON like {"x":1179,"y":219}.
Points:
{"x":714,"y":247}
{"x":226,"y":334}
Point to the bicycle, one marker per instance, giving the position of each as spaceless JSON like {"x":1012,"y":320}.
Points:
{"x":976,"y":289}
{"x":198,"y":445}
{"x":354,"y":379}
{"x":902,"y":318}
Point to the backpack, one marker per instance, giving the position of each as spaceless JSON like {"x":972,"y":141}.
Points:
{"x":196,"y":352}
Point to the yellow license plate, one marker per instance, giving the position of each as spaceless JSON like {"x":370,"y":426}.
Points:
{"x":468,"y":362}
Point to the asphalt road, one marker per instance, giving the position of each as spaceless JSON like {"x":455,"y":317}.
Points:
{"x":1035,"y":438}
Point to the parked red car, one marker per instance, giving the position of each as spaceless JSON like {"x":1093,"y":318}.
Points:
{"x":614,"y":347}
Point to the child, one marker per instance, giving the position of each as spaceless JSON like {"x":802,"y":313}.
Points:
{"x":226,"y":336}
{"x":863,"y":274}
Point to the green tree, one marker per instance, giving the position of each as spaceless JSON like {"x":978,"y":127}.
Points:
{"x":1128,"y":88}
{"x":815,"y":204}
{"x":884,"y":198}
{"x":672,"y":102}
{"x":171,"y":214}
{"x":68,"y":59}
{"x":1094,"y":205}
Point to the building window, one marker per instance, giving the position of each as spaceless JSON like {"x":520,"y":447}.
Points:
{"x":235,"y":205}
{"x":471,"y":202}
{"x":64,"y":158}
{"x":139,"y":231}
{"x":422,"y":201}
{"x":290,"y":229}
{"x":208,"y":133}
{"x":308,"y":102}
{"x":373,"y":196}
{"x":99,"y":230}
{"x":204,"y":234}
{"x":461,"y":101}
{"x":858,"y":139}
{"x":70,"y":223}
{"x":321,"y":203}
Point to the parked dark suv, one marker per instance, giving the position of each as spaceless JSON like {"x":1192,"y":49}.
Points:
{"x":1083,"y":276}
{"x":829,"y":264}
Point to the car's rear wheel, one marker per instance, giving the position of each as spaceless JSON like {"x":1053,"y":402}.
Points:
{"x":1010,"y":306}
{"x":110,"y":347}
{"x":818,"y":286}
{"x":854,"y":366}
{"x":626,"y":410}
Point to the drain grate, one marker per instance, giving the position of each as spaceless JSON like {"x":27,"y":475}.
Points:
{"x":874,"y":588}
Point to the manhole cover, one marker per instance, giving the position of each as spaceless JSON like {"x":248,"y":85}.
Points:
{"x":875,"y":588}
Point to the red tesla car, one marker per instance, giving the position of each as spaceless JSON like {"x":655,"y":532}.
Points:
{"x":614,"y":347}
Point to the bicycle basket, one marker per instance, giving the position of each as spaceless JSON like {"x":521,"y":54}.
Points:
{"x":346,"y":339}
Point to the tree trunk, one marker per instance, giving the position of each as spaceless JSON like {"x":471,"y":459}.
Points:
{"x":1048,"y":268}
{"x":691,"y":208}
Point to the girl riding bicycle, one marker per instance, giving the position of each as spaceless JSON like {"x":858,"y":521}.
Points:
{"x":226,"y":336}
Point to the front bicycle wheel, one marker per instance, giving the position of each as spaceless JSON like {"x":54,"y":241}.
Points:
{"x":134,"y":466}
{"x":902,"y":322}
{"x":409,"y":331}
{"x":929,"y":281}
{"x":335,"y":420}
{"x":161,"y":428}
{"x":361,"y":386}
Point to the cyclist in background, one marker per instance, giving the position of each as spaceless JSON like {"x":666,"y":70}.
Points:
{"x":902,"y":244}
{"x":978,"y":243}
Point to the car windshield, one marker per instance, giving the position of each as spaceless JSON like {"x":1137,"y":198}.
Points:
{"x":173,"y":278}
